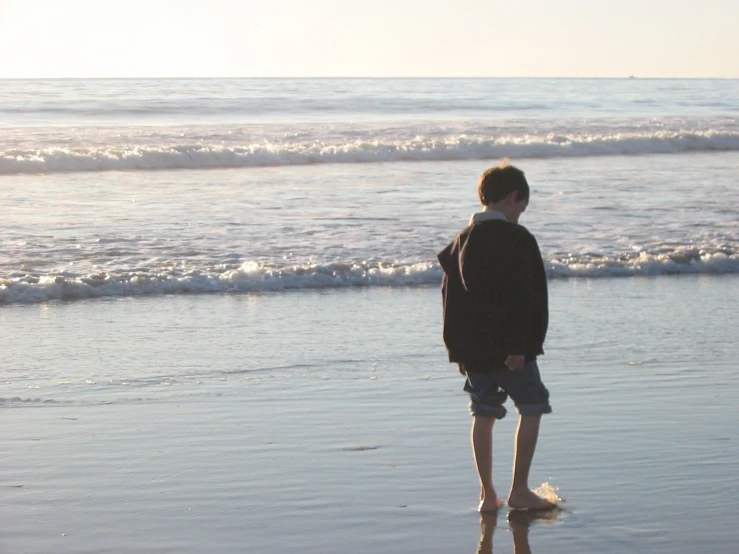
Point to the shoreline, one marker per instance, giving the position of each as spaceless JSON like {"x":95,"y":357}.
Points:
{"x":551,"y":280}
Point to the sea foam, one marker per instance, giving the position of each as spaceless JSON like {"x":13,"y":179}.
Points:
{"x":288,"y":151}
{"x":254,"y":277}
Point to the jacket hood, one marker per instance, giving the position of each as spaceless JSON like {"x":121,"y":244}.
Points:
{"x":451,"y":258}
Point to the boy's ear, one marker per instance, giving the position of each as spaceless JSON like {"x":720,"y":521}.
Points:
{"x":512,"y":196}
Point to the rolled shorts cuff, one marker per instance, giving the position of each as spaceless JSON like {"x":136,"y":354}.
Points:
{"x":534,"y":409}
{"x":484,"y":410}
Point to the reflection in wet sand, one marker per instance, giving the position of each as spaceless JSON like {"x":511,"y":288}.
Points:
{"x":488,"y":523}
{"x":519,"y":522}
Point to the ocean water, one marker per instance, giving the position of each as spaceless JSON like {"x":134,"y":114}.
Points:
{"x":221,"y":326}
{"x":129,"y":187}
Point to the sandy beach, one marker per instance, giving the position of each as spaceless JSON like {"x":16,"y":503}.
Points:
{"x":274,"y":423}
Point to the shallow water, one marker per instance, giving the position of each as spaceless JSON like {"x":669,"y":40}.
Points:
{"x":323,"y":421}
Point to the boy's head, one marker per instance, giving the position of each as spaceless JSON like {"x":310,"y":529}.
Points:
{"x":500,"y":181}
{"x":504,"y":188}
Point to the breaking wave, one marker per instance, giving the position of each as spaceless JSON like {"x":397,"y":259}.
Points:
{"x":291,"y":152}
{"x":253,"y":277}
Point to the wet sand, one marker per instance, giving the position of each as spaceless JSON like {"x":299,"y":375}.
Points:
{"x":329,"y":421}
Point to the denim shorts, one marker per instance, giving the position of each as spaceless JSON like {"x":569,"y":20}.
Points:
{"x":490,"y":388}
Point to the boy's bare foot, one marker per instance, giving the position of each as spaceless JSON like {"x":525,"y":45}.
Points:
{"x":490,"y":504}
{"x":528,"y":500}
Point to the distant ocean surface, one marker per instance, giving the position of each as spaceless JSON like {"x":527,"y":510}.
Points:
{"x":130,"y":187}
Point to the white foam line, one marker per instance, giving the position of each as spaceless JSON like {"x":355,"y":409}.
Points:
{"x":446,"y":148}
{"x":251,"y":277}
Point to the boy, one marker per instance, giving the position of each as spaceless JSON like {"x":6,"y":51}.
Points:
{"x":495,"y":320}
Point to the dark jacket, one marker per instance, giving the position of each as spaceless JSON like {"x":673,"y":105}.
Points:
{"x":495,"y":294}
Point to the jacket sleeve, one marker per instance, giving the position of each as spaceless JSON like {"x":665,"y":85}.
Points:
{"x":518,"y":289}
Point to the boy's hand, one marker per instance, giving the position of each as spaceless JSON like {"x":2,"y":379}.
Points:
{"x":514,"y":362}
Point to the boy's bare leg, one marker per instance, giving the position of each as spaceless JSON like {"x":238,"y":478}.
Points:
{"x":521,"y":496}
{"x":482,"y":447}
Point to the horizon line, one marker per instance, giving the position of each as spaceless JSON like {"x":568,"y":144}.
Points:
{"x":324,"y":77}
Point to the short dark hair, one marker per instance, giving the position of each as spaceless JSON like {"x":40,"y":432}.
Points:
{"x":499,"y":181}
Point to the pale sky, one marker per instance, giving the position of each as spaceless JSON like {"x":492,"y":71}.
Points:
{"x":374,"y":38}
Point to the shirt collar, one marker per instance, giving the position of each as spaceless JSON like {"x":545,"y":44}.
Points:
{"x":488,"y":215}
